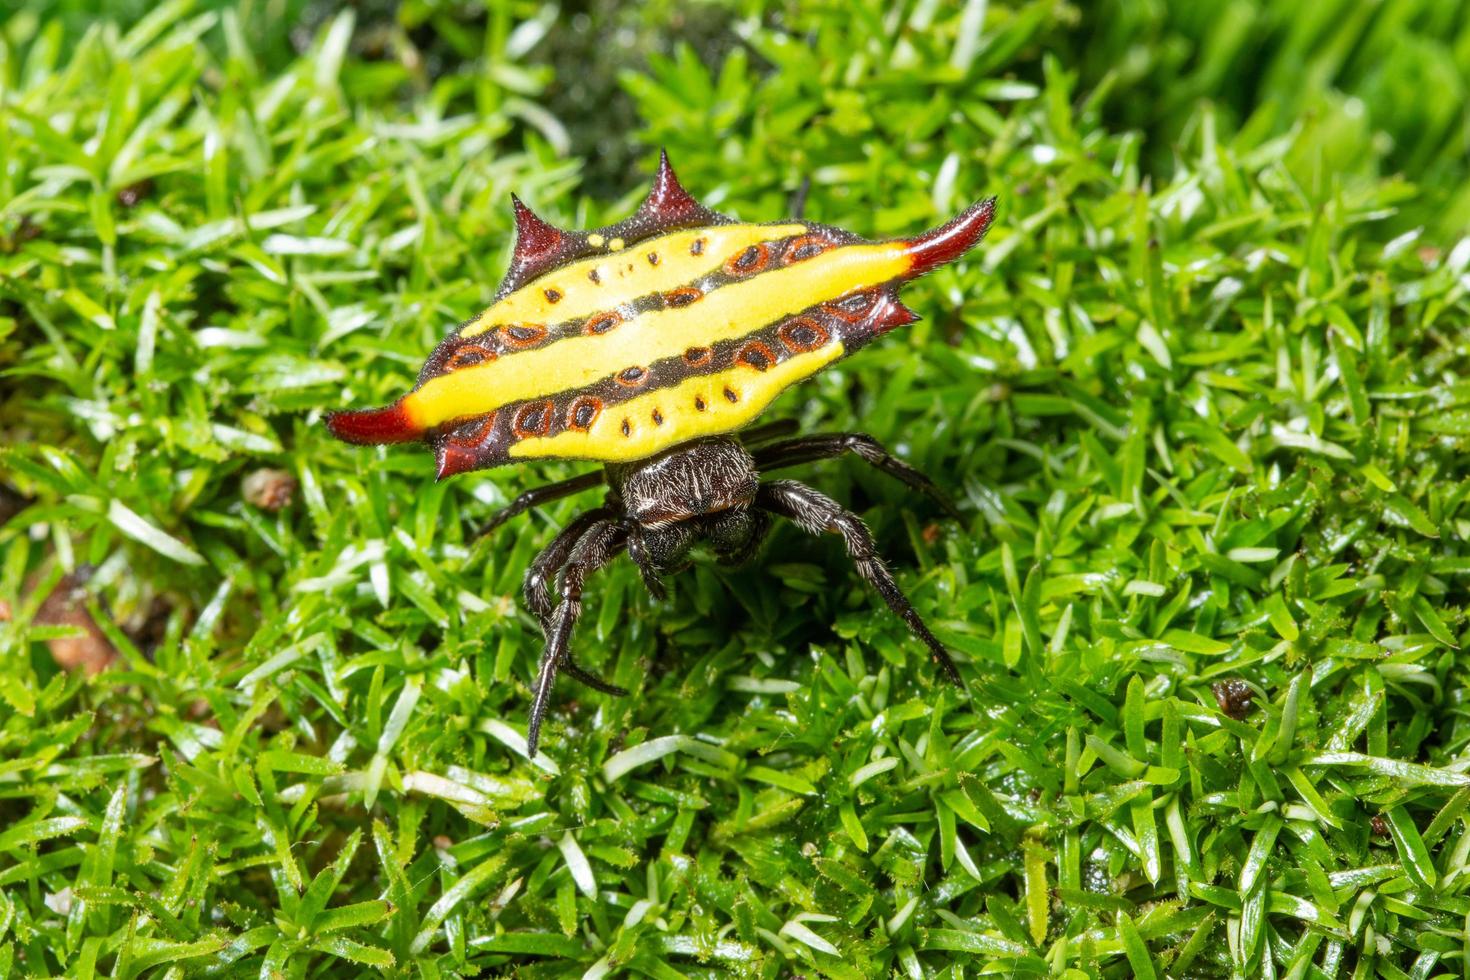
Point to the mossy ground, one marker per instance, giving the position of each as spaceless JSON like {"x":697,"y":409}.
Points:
{"x":1202,"y":394}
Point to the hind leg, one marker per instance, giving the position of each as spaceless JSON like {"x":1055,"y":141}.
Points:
{"x":766,"y":431}
{"x":537,"y":496}
{"x":817,"y":513}
{"x":598,"y":545}
{"x":808,"y":449}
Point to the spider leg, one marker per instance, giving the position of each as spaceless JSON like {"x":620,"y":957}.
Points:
{"x":598,"y":545}
{"x":543,"y":570}
{"x":816,"y":513}
{"x":580,"y":673}
{"x":766,"y":431}
{"x":638,"y":552}
{"x":807,"y":449}
{"x":545,"y":565}
{"x":798,"y":199}
{"x":660,"y":550}
{"x":740,"y":546}
{"x":537,"y":496}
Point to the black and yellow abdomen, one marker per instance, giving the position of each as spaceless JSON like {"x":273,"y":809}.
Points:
{"x":673,"y":325}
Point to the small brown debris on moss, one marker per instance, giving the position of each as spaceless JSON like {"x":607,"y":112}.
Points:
{"x":90,"y":651}
{"x":1234,"y":696}
{"x":269,"y":489}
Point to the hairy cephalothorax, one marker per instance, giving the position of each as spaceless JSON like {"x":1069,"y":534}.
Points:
{"x":644,"y":346}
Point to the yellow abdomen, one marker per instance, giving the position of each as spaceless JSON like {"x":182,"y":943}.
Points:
{"x":675,"y":324}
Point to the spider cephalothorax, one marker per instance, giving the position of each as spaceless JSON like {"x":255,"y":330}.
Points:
{"x":643,"y":346}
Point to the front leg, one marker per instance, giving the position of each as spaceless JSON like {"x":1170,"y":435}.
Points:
{"x":808,"y":449}
{"x":537,"y":496}
{"x":658,"y":551}
{"x":816,"y":513}
{"x":738,"y":535}
{"x":550,"y":561}
{"x":638,"y":553}
{"x":597,"y":546}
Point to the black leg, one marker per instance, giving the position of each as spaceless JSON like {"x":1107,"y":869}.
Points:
{"x":816,"y":513}
{"x":766,"y":431}
{"x":798,"y":200}
{"x":643,"y":561}
{"x":597,"y":546}
{"x":807,"y":449}
{"x":544,"y":570}
{"x":578,"y":673}
{"x":739,"y":535}
{"x":660,"y":551}
{"x":545,"y":565}
{"x":537,"y":496}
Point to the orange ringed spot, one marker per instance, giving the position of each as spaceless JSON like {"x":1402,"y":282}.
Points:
{"x":696,"y":356}
{"x":522,"y":335}
{"x":804,"y":248}
{"x":471,"y":434}
{"x":756,"y":355}
{"x":602,"y":322}
{"x":683,"y":296}
{"x":534,"y":419}
{"x":802,"y":334}
{"x":632,"y":377}
{"x":748,"y":262}
{"x":854,"y":308}
{"x":468,"y":356}
{"x":583,"y":412}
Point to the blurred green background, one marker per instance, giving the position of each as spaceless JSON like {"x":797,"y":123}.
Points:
{"x":1365,"y":90}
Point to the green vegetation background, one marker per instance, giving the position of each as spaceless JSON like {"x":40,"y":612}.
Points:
{"x":1203,"y":394}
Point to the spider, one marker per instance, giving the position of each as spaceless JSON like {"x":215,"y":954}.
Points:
{"x":649,"y":346}
{"x":709,"y":490}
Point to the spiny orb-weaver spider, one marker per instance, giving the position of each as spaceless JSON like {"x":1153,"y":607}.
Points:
{"x":644,"y":346}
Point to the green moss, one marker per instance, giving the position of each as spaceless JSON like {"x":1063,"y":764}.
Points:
{"x":1200,"y":394}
